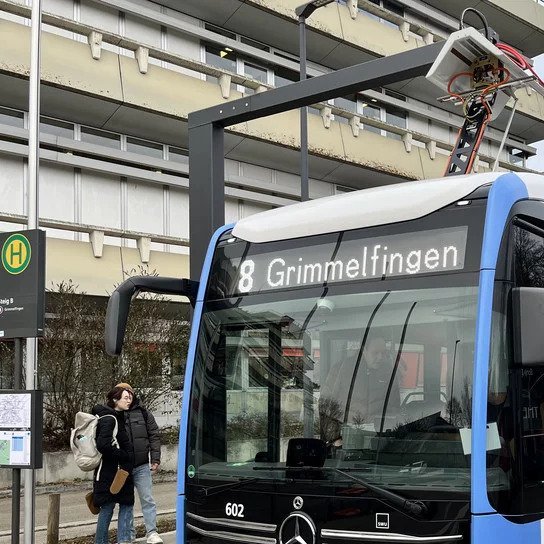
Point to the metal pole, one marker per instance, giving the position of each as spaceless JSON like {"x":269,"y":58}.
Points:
{"x":505,"y":135}
{"x":29,"y":474}
{"x":16,"y":472}
{"x":34,"y":118}
{"x":304,"y":181}
{"x":33,"y":215}
{"x":206,"y":190}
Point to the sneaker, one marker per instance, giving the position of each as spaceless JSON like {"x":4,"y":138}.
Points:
{"x":154,"y":538}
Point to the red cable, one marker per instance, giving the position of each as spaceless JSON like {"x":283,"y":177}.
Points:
{"x":519,"y":59}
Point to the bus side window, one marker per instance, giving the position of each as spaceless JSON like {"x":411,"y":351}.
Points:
{"x":516,"y":395}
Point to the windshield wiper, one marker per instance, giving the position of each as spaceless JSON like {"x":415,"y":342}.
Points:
{"x":216,"y":489}
{"x":414,"y":507}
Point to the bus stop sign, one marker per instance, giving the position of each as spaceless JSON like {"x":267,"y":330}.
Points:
{"x":22,"y":284}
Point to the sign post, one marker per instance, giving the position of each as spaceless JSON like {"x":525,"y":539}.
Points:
{"x":22,"y":314}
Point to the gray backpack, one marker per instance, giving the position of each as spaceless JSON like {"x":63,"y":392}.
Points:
{"x":83,"y":441}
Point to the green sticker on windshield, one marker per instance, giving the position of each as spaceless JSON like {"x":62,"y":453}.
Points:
{"x":191,"y":471}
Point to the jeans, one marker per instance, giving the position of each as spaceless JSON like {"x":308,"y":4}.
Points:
{"x":142,"y":482}
{"x":124,"y":521}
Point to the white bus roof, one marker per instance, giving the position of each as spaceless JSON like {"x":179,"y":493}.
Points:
{"x":369,"y":207}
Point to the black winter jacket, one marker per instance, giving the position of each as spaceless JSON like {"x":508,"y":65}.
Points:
{"x":112,"y":458}
{"x":143,"y":433}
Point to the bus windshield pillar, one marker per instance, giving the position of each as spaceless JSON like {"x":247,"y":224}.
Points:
{"x":307,"y":386}
{"x":274,"y":394}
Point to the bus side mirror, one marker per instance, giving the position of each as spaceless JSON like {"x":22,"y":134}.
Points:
{"x":528,"y":325}
{"x":119,"y":304}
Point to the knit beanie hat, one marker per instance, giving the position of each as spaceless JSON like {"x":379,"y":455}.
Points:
{"x":126,"y":386}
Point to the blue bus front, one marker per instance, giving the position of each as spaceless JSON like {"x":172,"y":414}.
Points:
{"x":359,"y":385}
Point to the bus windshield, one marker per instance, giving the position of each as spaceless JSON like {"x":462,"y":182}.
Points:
{"x":383,"y":378}
{"x":350,"y":352}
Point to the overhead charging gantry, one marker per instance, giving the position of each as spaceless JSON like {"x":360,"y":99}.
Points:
{"x":477,"y":71}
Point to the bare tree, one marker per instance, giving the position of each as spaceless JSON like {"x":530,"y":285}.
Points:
{"x":155,"y":348}
{"x":76,"y":373}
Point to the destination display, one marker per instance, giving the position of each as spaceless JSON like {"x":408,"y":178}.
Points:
{"x":406,"y":254}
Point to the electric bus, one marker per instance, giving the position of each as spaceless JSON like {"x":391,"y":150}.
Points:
{"x":367,"y":367}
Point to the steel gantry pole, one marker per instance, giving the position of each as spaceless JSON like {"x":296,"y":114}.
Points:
{"x":206,"y":188}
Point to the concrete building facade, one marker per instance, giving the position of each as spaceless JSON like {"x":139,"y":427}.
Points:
{"x":121,"y":76}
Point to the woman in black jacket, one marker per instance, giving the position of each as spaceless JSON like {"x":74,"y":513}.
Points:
{"x":145,"y":439}
{"x":117,"y":457}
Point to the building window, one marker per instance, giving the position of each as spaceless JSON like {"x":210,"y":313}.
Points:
{"x":256,"y":45}
{"x":516,"y":156}
{"x":393,"y":7}
{"x":221,"y":31}
{"x":374,"y":112}
{"x":384,"y":112}
{"x":389,"y":5}
{"x":56,"y":128}
{"x":284,"y":76}
{"x":100,"y":137}
{"x":223,"y":58}
{"x":177,"y":154}
{"x":12,"y":118}
{"x":394,"y":94}
{"x":143,"y":147}
{"x":397,"y":118}
{"x":256,"y":72}
{"x":348,"y":103}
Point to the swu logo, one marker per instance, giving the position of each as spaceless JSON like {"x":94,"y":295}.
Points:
{"x":382,"y":521}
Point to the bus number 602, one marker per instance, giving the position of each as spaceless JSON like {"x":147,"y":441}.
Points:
{"x":234,"y":510}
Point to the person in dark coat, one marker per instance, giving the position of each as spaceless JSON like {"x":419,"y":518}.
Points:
{"x":117,"y":454}
{"x":143,"y":433}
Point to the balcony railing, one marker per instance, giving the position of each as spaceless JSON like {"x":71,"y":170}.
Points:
{"x":142,"y":53}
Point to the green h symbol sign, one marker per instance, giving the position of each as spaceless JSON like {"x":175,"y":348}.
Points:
{"x":16,"y":253}
{"x":13,"y":252}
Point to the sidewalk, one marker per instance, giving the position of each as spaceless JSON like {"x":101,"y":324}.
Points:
{"x":75,"y":518}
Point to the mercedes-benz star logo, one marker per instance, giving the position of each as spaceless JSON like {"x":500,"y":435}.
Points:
{"x":297,"y":528}
{"x":297,"y":503}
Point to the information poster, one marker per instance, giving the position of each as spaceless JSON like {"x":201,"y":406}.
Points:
{"x":20,"y":429}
